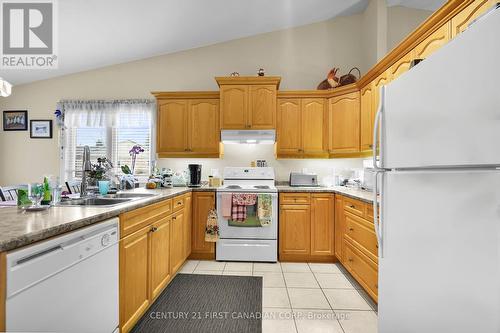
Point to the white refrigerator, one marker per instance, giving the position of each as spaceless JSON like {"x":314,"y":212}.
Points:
{"x":439,"y":178}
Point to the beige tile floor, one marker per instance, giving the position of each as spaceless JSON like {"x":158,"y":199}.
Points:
{"x":302,"y":297}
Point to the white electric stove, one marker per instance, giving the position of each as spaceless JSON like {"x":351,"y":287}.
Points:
{"x":248,"y":241}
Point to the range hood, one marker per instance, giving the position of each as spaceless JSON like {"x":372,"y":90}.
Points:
{"x":248,"y":136}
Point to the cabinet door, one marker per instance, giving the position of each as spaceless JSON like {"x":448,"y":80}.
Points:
{"x":187,"y":224}
{"x":366,"y":126}
{"x":203,"y":202}
{"x":460,"y":21}
{"x":339,"y":227}
{"x":295,"y":229}
{"x":401,"y":66}
{"x":322,"y":225}
{"x":432,"y":43}
{"x":314,"y":127}
{"x":134,"y":267}
{"x":234,"y":106}
{"x":172,"y":126}
{"x":344,"y":120}
{"x":177,"y":241}
{"x":262,"y":111}
{"x":289,"y":133}
{"x":204,"y":133}
{"x":160,"y":255}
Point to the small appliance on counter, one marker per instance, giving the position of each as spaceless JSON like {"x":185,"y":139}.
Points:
{"x":166,"y":176}
{"x":301,"y":179}
{"x":368,"y":175}
{"x":194,"y":175}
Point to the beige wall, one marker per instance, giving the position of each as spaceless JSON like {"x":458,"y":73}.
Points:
{"x":302,"y":56}
{"x":401,"y":21}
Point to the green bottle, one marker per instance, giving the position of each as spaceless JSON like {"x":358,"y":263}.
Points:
{"x":47,"y":196}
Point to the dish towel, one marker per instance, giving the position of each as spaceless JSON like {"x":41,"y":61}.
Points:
{"x":212,"y":227}
{"x":264,"y":209}
{"x":226,"y":205}
{"x":240,"y":202}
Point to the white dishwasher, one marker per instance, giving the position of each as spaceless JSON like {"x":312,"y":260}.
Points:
{"x":65,"y":284}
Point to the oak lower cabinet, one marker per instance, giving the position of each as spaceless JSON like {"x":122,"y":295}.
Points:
{"x":188,"y":124}
{"x":160,"y":240}
{"x":306,"y":230}
{"x":134,"y":276}
{"x":177,"y":247}
{"x":188,"y":229}
{"x":358,"y":252}
{"x":150,"y":256}
{"x":203,"y":203}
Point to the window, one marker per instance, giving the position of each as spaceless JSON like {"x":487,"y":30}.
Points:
{"x":112,"y":138}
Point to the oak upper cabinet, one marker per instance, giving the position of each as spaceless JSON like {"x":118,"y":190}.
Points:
{"x":401,"y":66}
{"x":172,"y":126}
{"x":160,"y":255}
{"x":432,"y":43}
{"x":339,"y":227}
{"x":460,"y":21}
{"x":188,"y":204}
{"x":295,"y":230}
{"x":302,"y":128}
{"x":248,"y":102}
{"x":322,"y":224}
{"x":314,"y":127}
{"x":177,"y":248}
{"x":234,"y":106}
{"x":203,"y":126}
{"x":289,"y":133}
{"x":344,"y":124}
{"x":203,"y":203}
{"x":366,"y":114}
{"x":188,"y":124}
{"x":134,"y":276}
{"x":262,"y":111}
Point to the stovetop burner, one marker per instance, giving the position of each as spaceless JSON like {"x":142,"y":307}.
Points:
{"x":233,"y":186}
{"x":264,"y":187}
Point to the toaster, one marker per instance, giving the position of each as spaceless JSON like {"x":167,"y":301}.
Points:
{"x":303,"y":179}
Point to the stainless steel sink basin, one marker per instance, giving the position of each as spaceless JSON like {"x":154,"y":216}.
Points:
{"x":129,"y":195}
{"x":94,"y":202}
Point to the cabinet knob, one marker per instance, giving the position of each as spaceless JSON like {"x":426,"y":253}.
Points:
{"x":351,"y":229}
{"x":153,"y":229}
{"x":371,"y":146}
{"x":174,"y":217}
{"x":350,"y":260}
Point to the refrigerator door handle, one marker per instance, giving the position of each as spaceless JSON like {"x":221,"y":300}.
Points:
{"x":377,"y":124}
{"x":377,"y":221}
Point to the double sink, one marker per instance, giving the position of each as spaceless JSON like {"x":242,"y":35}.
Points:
{"x":106,"y":200}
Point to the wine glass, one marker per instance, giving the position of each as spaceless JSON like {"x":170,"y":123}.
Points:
{"x":36,"y":194}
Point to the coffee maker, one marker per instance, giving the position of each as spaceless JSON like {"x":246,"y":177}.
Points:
{"x":194,"y":175}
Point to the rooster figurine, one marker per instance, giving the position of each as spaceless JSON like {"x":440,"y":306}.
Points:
{"x":331,"y":81}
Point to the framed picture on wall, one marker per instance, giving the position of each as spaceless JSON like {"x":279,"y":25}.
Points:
{"x":15,"y":120}
{"x":41,"y":129}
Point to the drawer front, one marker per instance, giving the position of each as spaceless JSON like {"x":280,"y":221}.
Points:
{"x":363,"y":233}
{"x":178,"y":203}
{"x":355,"y":207}
{"x":295,"y":198}
{"x":141,"y":217}
{"x":362,"y":268}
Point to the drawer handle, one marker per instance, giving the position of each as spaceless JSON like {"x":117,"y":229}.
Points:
{"x":179,"y":203}
{"x":352,"y":206}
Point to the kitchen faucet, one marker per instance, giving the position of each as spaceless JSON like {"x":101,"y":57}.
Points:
{"x":86,"y":167}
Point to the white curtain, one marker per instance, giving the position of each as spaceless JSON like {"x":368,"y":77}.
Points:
{"x":121,"y":114}
{"x":97,"y":113}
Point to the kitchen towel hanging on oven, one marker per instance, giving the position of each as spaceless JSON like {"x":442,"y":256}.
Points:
{"x":212,"y":227}
{"x":240,"y":201}
{"x":264,"y":209}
